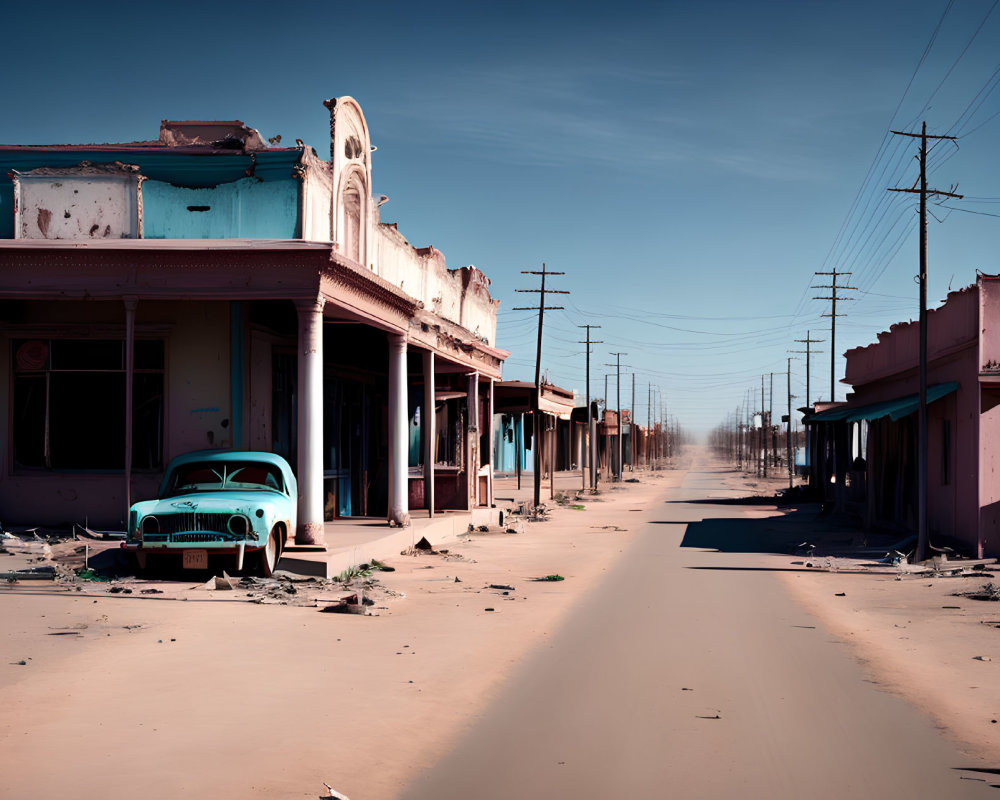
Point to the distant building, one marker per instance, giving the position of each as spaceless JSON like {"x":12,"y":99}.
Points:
{"x":864,"y":451}
{"x":207,"y":290}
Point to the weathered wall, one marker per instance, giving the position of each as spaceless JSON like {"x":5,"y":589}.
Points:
{"x":952,"y":325}
{"x":458,"y":295}
{"x":198,"y":379}
{"x":989,"y":331}
{"x":85,"y":206}
{"x":247,"y":208}
{"x":318,"y":193}
{"x":989,"y":471}
{"x":197,"y":413}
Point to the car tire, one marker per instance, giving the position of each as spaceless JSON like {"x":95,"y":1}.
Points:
{"x":268,"y":558}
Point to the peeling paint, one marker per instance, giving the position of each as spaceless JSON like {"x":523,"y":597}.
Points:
{"x":43,"y":220}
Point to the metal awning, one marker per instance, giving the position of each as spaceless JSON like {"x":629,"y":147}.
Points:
{"x":894,"y":409}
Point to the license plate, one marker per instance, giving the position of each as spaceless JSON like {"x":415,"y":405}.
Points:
{"x":195,"y":559}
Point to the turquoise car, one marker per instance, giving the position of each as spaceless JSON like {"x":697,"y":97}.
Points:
{"x":218,"y":502}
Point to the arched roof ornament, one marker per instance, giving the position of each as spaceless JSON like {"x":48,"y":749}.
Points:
{"x":350,"y":167}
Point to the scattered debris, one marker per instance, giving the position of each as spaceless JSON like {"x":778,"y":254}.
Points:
{"x":608,"y":528}
{"x":223,"y":582}
{"x":501,"y":586}
{"x":982,"y":658}
{"x":343,"y":608}
{"x":29,"y":574}
{"x":989,"y":591}
{"x":35,"y":546}
{"x":333,"y":793}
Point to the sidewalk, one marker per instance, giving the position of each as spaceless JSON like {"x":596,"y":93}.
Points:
{"x":354,"y":541}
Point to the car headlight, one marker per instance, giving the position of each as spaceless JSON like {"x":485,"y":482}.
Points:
{"x":239,"y":525}
{"x":148,"y":524}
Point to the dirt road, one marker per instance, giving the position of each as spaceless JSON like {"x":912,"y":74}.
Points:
{"x":671,"y":661}
{"x":691,"y":673}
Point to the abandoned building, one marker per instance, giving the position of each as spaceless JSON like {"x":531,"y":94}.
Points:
{"x":864,"y":451}
{"x":207,"y":290}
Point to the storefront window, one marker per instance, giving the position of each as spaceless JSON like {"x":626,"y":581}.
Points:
{"x":69,"y":404}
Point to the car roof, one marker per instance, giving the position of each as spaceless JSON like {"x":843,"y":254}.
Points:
{"x":230,"y":455}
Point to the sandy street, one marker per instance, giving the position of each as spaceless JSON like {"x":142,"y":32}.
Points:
{"x":672,"y":660}
{"x":692,"y":674}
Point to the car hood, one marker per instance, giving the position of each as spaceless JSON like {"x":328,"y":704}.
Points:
{"x":233,"y":502}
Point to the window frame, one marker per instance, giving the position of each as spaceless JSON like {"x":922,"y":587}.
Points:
{"x":16,"y":338}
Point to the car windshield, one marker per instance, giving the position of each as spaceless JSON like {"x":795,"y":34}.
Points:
{"x":214,"y":476}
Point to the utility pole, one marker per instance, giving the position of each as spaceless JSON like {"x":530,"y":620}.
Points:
{"x":788,"y":427}
{"x":923,"y":191}
{"x":770,"y":423}
{"x":538,"y":370}
{"x":649,"y":428}
{"x":631,"y":430}
{"x":591,"y":444}
{"x":763,"y":424}
{"x":618,"y":383}
{"x":808,"y":353}
{"x":833,"y":320}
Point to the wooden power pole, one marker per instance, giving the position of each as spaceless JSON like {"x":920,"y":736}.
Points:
{"x":537,"y":414}
{"x":591,"y":426}
{"x":923,"y":191}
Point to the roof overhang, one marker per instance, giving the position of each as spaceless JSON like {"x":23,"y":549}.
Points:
{"x":895,"y":409}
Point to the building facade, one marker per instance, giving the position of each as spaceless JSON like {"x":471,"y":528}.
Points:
{"x":207,"y":290}
{"x":864,"y":451}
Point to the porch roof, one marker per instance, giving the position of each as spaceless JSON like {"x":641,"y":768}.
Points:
{"x":894,"y":409}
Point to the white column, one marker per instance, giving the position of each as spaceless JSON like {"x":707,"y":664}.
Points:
{"x":428,"y":424}
{"x":472,"y":406}
{"x":131,"y":303}
{"x":310,"y":422}
{"x":399,"y":465}
{"x":489,"y":440}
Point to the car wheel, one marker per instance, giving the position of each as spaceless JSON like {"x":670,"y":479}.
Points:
{"x":269,"y":555}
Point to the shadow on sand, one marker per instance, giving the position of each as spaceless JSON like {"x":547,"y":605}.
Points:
{"x":803,"y":530}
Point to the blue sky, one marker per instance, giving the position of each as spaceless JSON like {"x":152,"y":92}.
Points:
{"x":688,"y":165}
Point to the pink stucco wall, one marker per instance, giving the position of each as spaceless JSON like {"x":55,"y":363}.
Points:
{"x":889,"y":369}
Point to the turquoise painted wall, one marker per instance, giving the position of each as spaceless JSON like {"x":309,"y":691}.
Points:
{"x":247,"y":208}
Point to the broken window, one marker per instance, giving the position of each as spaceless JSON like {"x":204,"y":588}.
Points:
{"x":450,"y":422}
{"x":69,"y":404}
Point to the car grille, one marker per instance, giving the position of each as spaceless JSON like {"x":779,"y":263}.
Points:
{"x":193,"y":527}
